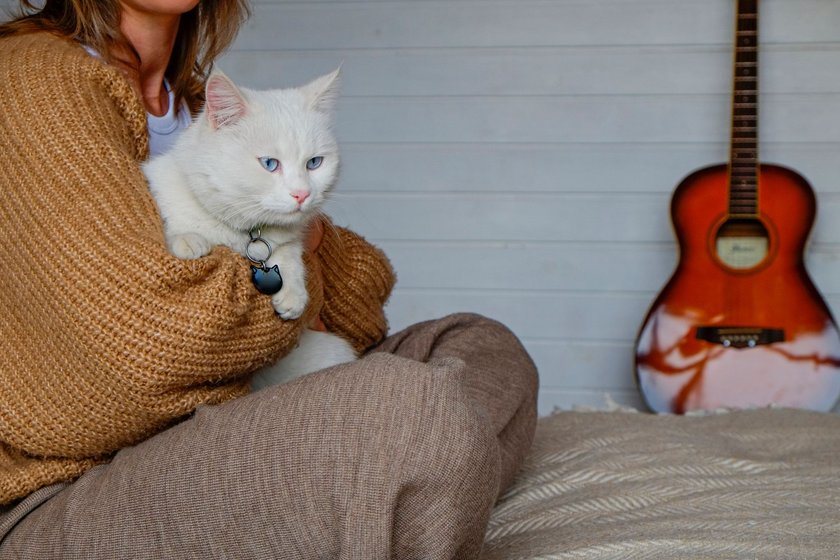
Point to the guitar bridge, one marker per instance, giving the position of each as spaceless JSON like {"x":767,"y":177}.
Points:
{"x":740,"y":337}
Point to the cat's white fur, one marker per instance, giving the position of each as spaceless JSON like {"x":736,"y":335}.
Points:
{"x":216,"y":184}
{"x":316,"y":350}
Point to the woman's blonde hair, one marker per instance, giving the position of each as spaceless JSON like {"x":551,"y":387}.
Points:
{"x":204,"y":33}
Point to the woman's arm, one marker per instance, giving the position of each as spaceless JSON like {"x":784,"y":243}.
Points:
{"x":357,"y":280}
{"x":106,"y":338}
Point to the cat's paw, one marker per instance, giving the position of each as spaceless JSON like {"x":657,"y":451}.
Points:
{"x":289,"y":302}
{"x":189,"y":246}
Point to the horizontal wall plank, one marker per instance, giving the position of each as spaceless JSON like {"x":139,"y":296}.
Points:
{"x":589,"y":317}
{"x":538,"y":267}
{"x":582,"y":119}
{"x":565,"y":167}
{"x":581,"y":317}
{"x":529,"y":217}
{"x":490,"y":217}
{"x":589,"y":268}
{"x":544,"y":71}
{"x":583,"y":365}
{"x":359,"y":25}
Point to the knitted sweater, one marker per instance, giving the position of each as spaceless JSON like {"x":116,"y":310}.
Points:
{"x":105,"y":338}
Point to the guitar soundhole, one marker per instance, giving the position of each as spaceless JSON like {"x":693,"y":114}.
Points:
{"x":742,"y":243}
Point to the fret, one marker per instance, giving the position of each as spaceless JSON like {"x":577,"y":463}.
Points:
{"x":743,"y":148}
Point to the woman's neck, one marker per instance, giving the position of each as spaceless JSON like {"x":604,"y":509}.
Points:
{"x":153,"y":37}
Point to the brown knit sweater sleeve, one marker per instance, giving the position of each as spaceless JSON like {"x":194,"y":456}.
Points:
{"x":104,"y":337}
{"x":358,"y":278}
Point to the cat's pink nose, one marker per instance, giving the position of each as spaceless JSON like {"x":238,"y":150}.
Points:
{"x":300,"y":196}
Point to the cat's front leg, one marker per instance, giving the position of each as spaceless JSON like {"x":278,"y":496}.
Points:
{"x":188,"y":245}
{"x":291,"y":300}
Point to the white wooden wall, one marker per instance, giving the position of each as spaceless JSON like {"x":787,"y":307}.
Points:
{"x":516,"y":157}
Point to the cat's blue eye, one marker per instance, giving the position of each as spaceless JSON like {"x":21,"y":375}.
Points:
{"x":270,"y":164}
{"x":315,"y":162}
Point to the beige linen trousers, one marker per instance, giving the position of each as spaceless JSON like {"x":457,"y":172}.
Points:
{"x":400,"y":455}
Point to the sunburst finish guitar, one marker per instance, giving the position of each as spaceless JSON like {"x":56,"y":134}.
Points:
{"x":740,"y":323}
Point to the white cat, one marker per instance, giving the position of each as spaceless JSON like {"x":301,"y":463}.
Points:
{"x":249,"y":173}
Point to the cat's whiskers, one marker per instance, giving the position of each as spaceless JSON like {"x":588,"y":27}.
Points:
{"x":336,"y":200}
{"x":329,"y":223}
{"x":241,"y":215}
{"x":252,"y":210}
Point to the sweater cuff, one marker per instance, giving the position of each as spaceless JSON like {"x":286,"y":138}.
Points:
{"x":358,"y":279}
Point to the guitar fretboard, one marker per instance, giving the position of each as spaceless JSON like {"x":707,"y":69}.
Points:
{"x":743,"y":180}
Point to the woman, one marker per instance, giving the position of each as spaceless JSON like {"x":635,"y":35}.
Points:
{"x":111,"y":348}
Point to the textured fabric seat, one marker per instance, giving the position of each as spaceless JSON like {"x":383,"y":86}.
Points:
{"x":759,"y":484}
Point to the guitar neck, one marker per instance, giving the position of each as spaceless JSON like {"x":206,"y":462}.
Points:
{"x":743,"y":180}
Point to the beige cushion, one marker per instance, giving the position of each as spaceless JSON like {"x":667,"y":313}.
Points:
{"x":750,"y":484}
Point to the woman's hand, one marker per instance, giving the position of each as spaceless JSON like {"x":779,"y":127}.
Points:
{"x":312,"y":240}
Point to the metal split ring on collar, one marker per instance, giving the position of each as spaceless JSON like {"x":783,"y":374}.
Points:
{"x":257,"y":238}
{"x":267,"y":280}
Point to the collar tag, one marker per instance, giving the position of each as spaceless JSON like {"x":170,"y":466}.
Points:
{"x":266,"y":279}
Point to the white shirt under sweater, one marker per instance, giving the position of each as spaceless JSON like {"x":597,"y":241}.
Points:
{"x":165,"y":129}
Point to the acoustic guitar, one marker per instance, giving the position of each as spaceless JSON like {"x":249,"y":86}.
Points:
{"x":740,"y":323}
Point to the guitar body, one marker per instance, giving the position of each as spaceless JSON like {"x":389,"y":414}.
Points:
{"x":740,"y":323}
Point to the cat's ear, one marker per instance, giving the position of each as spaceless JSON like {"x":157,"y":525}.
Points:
{"x":225,"y":104}
{"x":322,"y":93}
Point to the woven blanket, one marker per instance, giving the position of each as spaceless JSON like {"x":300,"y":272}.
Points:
{"x":759,"y":484}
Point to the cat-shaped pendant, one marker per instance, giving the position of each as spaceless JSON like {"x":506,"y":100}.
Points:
{"x":266,"y":279}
